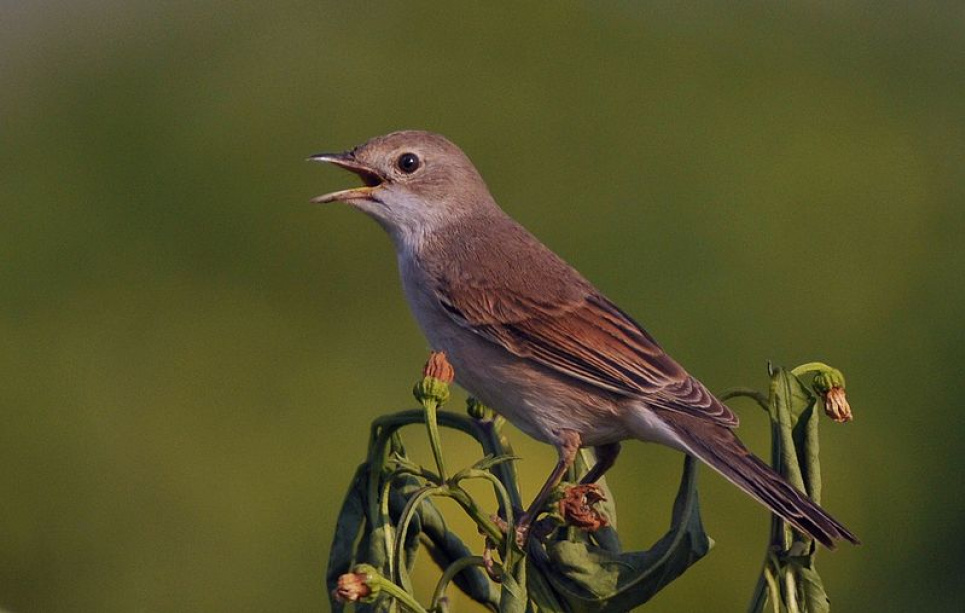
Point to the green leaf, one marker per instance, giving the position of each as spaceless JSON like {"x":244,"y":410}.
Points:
{"x":789,"y":398}
{"x":590,"y":578}
{"x":811,"y":593}
{"x":796,"y":396}
{"x":513,"y":597}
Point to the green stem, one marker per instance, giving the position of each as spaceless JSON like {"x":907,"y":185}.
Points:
{"x":483,"y":432}
{"x":760,"y":593}
{"x":478,"y":516}
{"x":388,"y":533}
{"x":402,"y":596}
{"x":790,"y":585}
{"x":746,"y":392}
{"x":434,"y":441}
{"x":473,"y":510}
{"x":450,"y":573}
{"x":803,"y":369}
{"x":773,"y":589}
{"x":404,"y":520}
{"x":812,"y":449}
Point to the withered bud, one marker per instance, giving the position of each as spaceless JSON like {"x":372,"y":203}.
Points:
{"x":830,"y":385}
{"x":352,"y":587}
{"x":577,"y":507}
{"x":836,"y":405}
{"x":438,"y":367}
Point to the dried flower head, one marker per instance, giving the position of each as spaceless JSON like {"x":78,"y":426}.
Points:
{"x":836,"y":405}
{"x":830,"y":385}
{"x":352,"y":587}
{"x":577,"y":507}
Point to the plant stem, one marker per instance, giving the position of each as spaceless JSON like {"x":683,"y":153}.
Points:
{"x":450,"y":573}
{"x":434,"y":441}
{"x":775,"y":591}
{"x":790,"y":585}
{"x":746,"y":392}
{"x":482,"y":520}
{"x":810,"y":367}
{"x":403,"y":597}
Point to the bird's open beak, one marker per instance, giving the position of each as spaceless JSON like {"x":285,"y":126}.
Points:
{"x":370,"y":177}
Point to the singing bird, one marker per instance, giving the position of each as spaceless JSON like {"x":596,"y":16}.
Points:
{"x":530,"y":337}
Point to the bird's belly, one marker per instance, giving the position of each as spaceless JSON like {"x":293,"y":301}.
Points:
{"x":536,"y":403}
{"x":537,"y":400}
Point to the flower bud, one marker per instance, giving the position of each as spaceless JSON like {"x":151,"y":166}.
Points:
{"x":825,"y":380}
{"x":438,"y":367}
{"x":476,"y":409}
{"x":357,"y":585}
{"x":830,"y":385}
{"x":836,"y":405}
{"x":431,"y":389}
{"x":436,"y":377}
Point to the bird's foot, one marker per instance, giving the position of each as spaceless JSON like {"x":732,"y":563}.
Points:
{"x":523,"y":525}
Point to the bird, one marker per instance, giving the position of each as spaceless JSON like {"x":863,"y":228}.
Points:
{"x":532,"y":338}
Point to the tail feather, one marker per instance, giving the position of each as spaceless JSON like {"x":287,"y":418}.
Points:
{"x":719,"y":448}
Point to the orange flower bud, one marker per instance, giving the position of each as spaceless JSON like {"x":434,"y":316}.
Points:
{"x":352,"y":587}
{"x":438,"y":367}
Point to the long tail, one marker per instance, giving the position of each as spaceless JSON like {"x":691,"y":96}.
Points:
{"x":719,"y":448}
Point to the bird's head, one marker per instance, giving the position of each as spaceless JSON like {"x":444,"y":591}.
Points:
{"x":413,"y":182}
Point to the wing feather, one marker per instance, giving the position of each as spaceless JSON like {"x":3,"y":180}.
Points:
{"x":589,"y":339}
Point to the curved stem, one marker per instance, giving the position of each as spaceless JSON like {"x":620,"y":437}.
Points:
{"x":450,"y":573}
{"x":404,"y":520}
{"x":388,"y":531}
{"x":485,"y":434}
{"x":746,"y":392}
{"x":404,"y":598}
{"x":504,"y":499}
{"x":803,"y":369}
{"x":476,"y":514}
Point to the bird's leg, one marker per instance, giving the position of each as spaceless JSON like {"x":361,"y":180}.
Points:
{"x":567,"y":448}
{"x":606,"y":457}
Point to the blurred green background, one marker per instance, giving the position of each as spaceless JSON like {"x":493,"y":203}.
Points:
{"x":192,"y":353}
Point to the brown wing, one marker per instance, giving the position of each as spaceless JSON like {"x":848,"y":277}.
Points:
{"x":587,"y":338}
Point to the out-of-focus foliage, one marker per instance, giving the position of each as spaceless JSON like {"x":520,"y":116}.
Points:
{"x":191,"y":353}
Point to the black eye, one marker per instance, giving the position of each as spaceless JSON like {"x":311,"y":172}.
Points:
{"x":408,"y":163}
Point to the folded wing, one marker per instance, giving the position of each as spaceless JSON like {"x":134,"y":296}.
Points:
{"x":586,"y":338}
